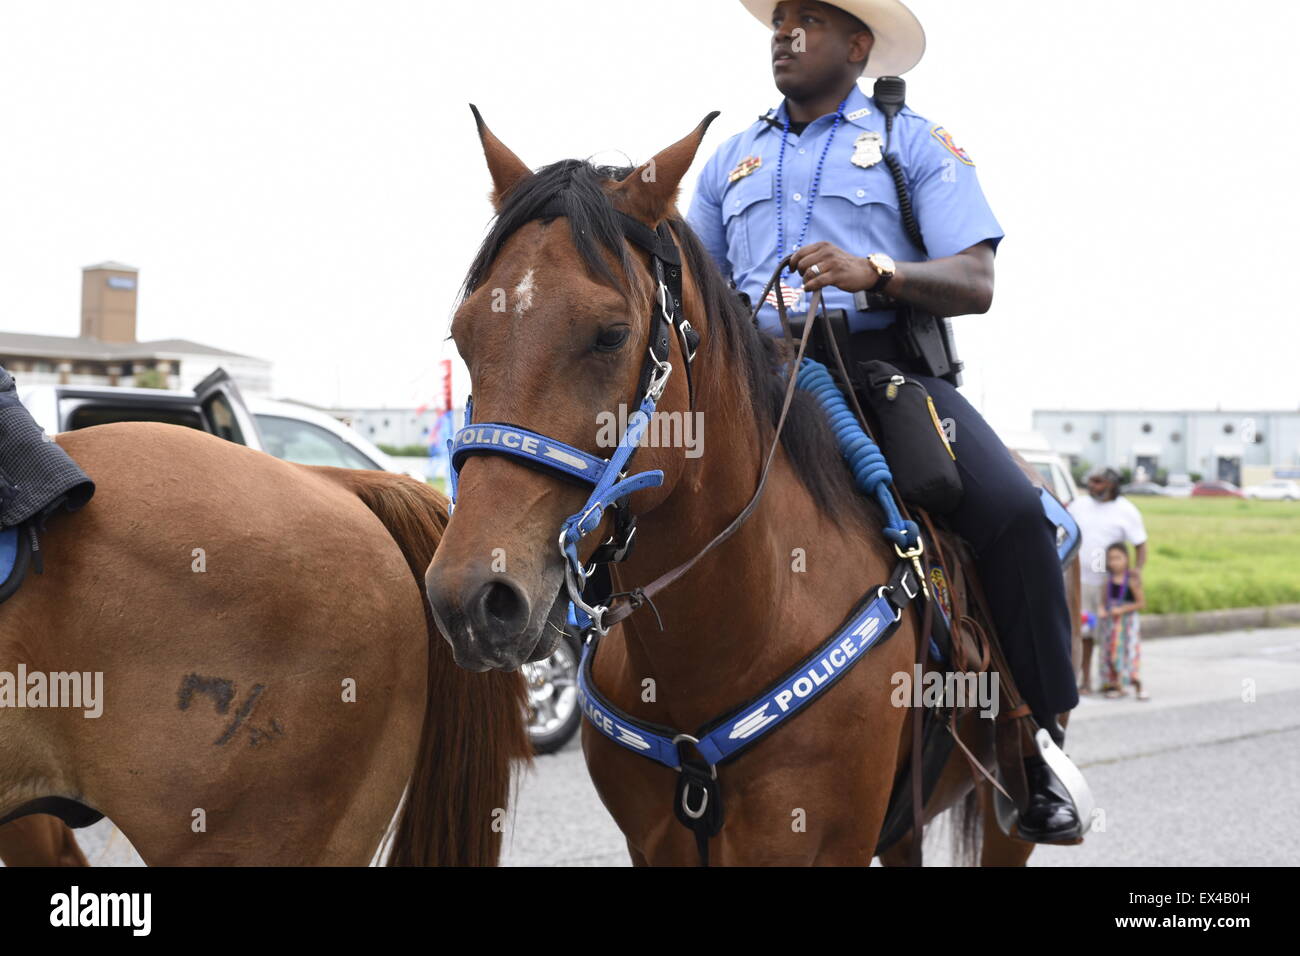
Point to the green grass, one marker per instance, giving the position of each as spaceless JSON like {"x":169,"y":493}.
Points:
{"x":1212,"y":553}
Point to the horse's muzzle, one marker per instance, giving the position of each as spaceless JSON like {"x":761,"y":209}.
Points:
{"x":489,"y":621}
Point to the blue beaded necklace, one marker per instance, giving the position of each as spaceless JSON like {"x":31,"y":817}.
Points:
{"x":812,"y":194}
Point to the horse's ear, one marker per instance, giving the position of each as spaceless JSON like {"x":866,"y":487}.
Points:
{"x":650,"y":190}
{"x":507,"y":169}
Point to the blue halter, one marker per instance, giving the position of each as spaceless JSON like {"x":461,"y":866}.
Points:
{"x":611,"y":486}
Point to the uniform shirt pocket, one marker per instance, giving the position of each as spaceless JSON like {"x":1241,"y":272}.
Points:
{"x":862,"y":207}
{"x":748,"y":216}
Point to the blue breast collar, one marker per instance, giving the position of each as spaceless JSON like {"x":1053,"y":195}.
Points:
{"x":870,"y":623}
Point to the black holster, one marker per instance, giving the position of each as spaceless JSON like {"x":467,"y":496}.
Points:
{"x":916,"y":342}
{"x":925,"y":340}
{"x":928,"y":340}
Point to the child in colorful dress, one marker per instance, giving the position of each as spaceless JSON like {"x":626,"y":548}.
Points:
{"x":1118,"y":630}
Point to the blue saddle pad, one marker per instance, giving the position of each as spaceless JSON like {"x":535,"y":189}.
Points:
{"x":8,"y":552}
{"x":1068,"y":536}
{"x":15,"y":559}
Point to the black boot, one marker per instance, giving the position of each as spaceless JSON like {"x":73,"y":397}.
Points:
{"x":1050,"y":816}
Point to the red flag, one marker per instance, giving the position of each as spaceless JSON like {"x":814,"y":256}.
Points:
{"x":446,"y":385}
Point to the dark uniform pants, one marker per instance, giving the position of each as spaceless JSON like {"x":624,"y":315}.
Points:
{"x":1002,"y":519}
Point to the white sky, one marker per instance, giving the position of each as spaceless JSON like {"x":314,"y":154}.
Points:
{"x":302,"y":182}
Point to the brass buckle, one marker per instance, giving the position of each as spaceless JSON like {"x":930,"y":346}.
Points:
{"x":914,"y":555}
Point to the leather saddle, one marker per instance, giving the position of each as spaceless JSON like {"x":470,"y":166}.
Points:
{"x":962,"y":642}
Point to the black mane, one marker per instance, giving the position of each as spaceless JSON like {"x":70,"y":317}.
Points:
{"x":578,"y":188}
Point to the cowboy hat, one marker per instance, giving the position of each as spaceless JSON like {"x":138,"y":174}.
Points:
{"x":899,"y":39}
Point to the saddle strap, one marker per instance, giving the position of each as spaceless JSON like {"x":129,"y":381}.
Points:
{"x":980,"y":638}
{"x":1009,"y":735}
{"x":977,"y":768}
{"x":697,"y":804}
{"x":968,"y":623}
{"x":918,"y":715}
{"x":958,"y":620}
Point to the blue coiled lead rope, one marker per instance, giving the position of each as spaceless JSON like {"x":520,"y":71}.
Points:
{"x":864,"y":457}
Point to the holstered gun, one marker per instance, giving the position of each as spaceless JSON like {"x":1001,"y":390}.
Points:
{"x":929,"y":340}
{"x":925,"y":339}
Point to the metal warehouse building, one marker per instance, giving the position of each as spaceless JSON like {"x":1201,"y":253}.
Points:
{"x":1241,"y":447}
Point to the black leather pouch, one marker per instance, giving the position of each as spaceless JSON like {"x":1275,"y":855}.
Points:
{"x":920,"y":458}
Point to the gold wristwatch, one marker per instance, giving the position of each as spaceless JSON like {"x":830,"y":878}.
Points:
{"x":884,"y":266}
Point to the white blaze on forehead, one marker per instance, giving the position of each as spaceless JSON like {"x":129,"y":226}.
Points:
{"x":524,"y":294}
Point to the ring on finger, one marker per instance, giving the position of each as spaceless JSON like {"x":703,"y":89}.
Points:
{"x":816,"y":269}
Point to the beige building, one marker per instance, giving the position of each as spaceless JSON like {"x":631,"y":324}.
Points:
{"x":107,"y":353}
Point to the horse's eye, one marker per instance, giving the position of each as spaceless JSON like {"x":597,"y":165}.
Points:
{"x":612,"y":338}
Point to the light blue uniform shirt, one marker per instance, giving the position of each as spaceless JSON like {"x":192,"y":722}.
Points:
{"x":855,"y":209}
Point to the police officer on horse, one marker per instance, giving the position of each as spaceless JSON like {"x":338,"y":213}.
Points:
{"x":883,"y":212}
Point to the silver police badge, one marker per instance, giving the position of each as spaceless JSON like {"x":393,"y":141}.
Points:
{"x":868,"y":149}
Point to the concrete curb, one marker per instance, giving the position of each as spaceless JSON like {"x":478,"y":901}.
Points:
{"x":1228,"y":619}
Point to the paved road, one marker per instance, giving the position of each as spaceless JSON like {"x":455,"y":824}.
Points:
{"x":1196,"y":776}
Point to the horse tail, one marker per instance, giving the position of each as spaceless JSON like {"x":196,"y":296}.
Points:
{"x":473,"y":727}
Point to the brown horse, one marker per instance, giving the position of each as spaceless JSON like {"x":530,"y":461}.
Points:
{"x":554,"y":330}
{"x":269,"y":687}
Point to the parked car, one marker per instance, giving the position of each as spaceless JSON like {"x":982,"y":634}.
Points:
{"x":1145,"y":488}
{"x":1279,"y":489}
{"x":553,"y":712}
{"x":297,"y":433}
{"x":215,"y":406}
{"x":1216,"y":489}
{"x":1034,"y":449}
{"x":284,"y":429}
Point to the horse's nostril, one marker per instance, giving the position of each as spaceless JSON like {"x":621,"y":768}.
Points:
{"x":502,"y":607}
{"x":502,"y":602}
